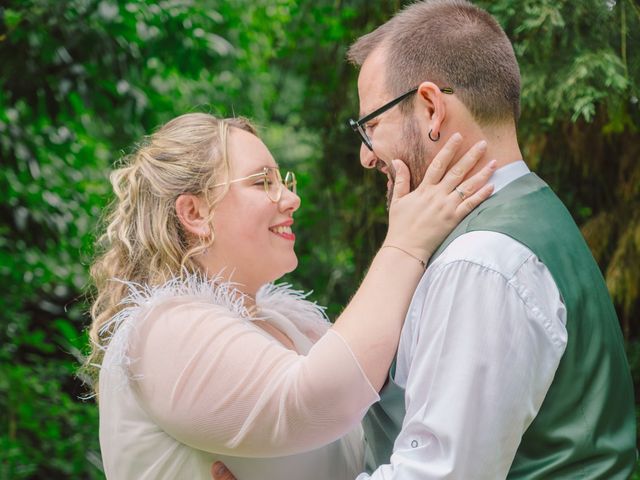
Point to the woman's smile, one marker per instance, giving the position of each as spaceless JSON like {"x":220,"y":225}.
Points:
{"x":283,"y":230}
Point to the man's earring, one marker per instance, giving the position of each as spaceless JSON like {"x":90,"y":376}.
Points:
{"x":434,"y":139}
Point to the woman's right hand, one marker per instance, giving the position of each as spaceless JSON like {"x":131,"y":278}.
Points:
{"x":419,"y":221}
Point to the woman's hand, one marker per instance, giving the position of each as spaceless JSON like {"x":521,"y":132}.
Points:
{"x":419,"y":221}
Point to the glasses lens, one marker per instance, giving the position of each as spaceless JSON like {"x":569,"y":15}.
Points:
{"x":365,"y":137}
{"x":273,"y":184}
{"x":359,"y":129}
{"x":290,"y":182}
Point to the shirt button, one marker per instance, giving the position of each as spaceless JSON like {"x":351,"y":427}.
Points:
{"x":414,"y":443}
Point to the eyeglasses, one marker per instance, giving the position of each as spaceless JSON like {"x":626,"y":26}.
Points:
{"x":360,"y":126}
{"x":272,"y":181}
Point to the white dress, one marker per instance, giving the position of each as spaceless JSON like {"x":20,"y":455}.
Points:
{"x":188,"y":379}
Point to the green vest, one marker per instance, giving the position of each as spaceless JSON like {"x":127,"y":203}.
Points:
{"x":586,"y":425}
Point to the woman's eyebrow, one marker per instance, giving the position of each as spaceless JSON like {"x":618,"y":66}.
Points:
{"x":259,"y":170}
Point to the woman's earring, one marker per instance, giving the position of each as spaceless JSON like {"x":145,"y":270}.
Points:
{"x":434,"y":139}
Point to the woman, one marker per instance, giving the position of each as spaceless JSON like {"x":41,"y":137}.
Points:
{"x":202,"y":359}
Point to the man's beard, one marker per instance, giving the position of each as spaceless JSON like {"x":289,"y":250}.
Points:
{"x":413,"y":151}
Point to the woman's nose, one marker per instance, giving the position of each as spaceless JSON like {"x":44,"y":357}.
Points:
{"x":288,"y":201}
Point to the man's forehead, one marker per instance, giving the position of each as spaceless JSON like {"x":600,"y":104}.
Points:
{"x":371,"y":82}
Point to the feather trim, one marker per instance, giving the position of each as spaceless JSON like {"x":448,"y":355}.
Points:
{"x":307,"y":316}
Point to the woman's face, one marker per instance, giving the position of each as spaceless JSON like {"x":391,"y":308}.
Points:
{"x":252,"y":240}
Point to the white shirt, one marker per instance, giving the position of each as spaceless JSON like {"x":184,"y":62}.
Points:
{"x":481,"y":343}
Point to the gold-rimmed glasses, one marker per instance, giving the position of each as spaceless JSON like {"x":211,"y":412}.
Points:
{"x":272,"y":181}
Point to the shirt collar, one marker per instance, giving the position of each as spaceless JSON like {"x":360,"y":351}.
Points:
{"x":507,"y":174}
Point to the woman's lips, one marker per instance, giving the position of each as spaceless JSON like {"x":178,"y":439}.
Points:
{"x":283,"y":231}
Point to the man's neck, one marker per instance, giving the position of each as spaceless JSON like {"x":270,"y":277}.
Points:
{"x":502,"y":144}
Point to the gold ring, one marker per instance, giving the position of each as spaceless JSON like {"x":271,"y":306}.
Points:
{"x":460,"y":192}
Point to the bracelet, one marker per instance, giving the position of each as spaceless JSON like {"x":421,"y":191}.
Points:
{"x":424,"y":265}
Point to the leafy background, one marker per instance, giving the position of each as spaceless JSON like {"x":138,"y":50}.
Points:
{"x":82,"y":80}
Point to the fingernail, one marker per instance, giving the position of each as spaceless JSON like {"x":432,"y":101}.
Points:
{"x":219,"y":468}
{"x":456,"y":136}
{"x":493,"y":163}
{"x":482,"y":144}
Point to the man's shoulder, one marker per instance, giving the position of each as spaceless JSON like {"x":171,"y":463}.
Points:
{"x":484,"y":249}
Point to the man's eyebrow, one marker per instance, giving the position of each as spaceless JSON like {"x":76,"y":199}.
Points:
{"x":366,"y":114}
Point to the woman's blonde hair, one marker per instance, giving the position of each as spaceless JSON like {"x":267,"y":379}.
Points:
{"x":144,"y":241}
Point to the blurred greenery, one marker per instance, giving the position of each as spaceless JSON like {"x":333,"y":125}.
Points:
{"x":82,"y":80}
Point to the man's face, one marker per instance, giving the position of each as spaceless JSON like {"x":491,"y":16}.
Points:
{"x":393,"y":134}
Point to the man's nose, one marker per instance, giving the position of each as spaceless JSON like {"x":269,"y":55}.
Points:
{"x":368,"y":159}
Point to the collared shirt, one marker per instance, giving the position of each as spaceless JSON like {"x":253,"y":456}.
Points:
{"x":481,"y":343}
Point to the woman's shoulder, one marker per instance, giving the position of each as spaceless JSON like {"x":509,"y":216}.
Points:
{"x":148,"y":309}
{"x":183,"y":305}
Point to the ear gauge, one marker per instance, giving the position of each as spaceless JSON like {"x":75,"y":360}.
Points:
{"x":434,"y":139}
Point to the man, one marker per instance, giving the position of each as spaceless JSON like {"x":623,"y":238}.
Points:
{"x":511,"y":361}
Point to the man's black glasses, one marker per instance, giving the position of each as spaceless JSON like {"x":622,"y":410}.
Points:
{"x":360,"y":126}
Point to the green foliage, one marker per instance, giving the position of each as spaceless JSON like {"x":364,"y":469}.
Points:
{"x":50,"y":434}
{"x":82,"y":80}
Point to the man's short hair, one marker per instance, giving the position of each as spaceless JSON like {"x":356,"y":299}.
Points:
{"x":451,"y":43}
